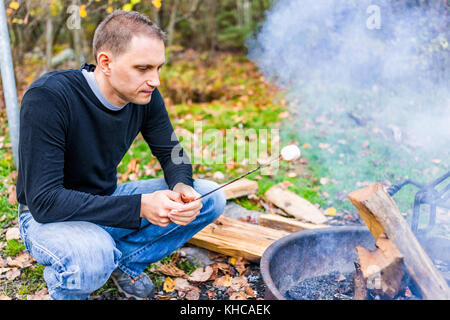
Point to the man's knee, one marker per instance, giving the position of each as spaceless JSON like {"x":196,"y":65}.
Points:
{"x":78,"y":262}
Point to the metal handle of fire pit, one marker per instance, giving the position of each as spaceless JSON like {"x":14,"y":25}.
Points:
{"x":427,"y":194}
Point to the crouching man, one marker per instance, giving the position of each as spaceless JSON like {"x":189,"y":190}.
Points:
{"x":75,"y":127}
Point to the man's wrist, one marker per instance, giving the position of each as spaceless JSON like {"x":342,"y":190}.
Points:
{"x":180,"y":186}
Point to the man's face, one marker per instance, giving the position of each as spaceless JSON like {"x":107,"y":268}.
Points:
{"x":134,"y":74}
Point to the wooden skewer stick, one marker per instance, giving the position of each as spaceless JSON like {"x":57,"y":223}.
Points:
{"x":238,"y":178}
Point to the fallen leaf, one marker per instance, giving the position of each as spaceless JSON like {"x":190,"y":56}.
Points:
{"x":218,"y":175}
{"x":12,"y":196}
{"x":3,"y":262}
{"x":201,"y":274}
{"x":211,"y":294}
{"x":224,"y":281}
{"x":330,"y":211}
{"x":238,"y":296}
{"x":25,"y":259}
{"x":238,"y":283}
{"x":215,"y":271}
{"x":216,"y":256}
{"x":239,"y":265}
{"x":40,"y":295}
{"x":249,"y":291}
{"x":225,"y":268}
{"x":283,"y":115}
{"x":192,"y":295}
{"x":12,"y":233}
{"x":171,"y":270}
{"x":12,"y":274}
{"x":169,"y":285}
{"x":3,"y":270}
{"x":183,"y":285}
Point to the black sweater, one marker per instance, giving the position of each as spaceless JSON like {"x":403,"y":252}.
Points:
{"x":70,"y":146}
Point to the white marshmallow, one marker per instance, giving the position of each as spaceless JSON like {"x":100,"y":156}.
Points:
{"x":290,"y":152}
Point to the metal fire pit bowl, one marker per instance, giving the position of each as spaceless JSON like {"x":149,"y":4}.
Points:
{"x":311,"y":253}
{"x":317,"y":252}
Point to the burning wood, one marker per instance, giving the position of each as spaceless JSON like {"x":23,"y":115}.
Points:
{"x":359,"y":284}
{"x":382,"y":269}
{"x":381,"y":215}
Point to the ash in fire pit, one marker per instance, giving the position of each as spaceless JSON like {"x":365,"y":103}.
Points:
{"x":334,"y":286}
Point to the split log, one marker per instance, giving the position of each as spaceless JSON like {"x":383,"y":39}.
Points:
{"x":382,"y":268}
{"x":381,"y":215}
{"x":275,"y":221}
{"x":240,"y":188}
{"x":294,"y":205}
{"x":236,"y":238}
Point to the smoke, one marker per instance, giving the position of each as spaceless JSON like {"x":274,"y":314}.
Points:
{"x":369,"y":83}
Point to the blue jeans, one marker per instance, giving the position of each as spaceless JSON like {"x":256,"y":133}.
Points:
{"x":79,"y":256}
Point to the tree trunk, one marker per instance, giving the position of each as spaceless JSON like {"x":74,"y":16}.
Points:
{"x":172,"y":21}
{"x":77,"y":40}
{"x":211,"y":27}
{"x":48,"y":41}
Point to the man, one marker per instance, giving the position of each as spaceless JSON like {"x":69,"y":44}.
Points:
{"x":76,"y":126}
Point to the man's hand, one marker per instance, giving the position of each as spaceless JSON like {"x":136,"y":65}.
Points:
{"x":155,"y":207}
{"x":191,"y":207}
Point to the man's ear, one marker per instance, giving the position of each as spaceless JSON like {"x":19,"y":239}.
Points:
{"x":104,"y":59}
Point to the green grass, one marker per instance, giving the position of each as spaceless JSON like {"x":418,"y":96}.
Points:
{"x":13,"y":247}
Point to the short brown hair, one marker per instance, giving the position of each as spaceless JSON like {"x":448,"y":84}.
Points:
{"x":118,"y":28}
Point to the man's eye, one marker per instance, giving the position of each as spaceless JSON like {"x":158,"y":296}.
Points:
{"x":142,"y":69}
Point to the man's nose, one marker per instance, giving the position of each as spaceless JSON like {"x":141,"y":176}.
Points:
{"x":153,"y":81}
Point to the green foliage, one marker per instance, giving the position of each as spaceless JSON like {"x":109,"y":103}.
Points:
{"x":188,"y":266}
{"x":34,"y":272}
{"x":13,"y":247}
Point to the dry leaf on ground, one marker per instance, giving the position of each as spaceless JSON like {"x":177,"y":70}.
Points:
{"x":238,"y":283}
{"x":183,"y":284}
{"x":12,"y":274}
{"x":40,"y":295}
{"x":192,"y":295}
{"x":12,"y":233}
{"x":224,"y":281}
{"x":169,"y":285}
{"x":225,"y":268}
{"x":238,"y":296}
{"x":201,"y":274}
{"x":171,"y":270}
{"x":239,"y":264}
{"x":249,"y":291}
{"x":25,"y":259}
